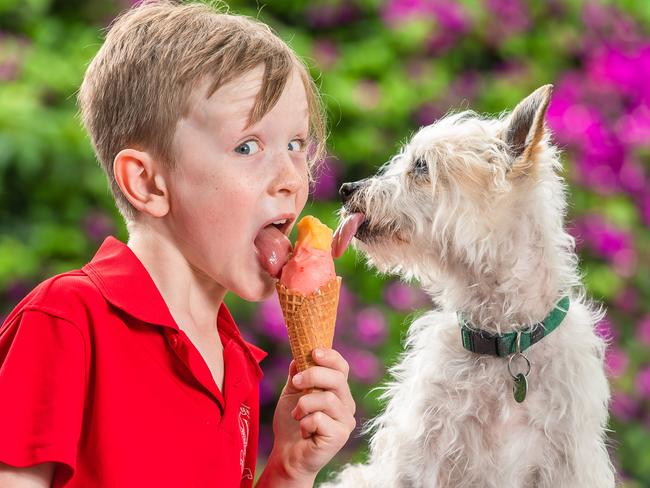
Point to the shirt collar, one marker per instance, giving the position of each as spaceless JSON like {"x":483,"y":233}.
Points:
{"x":126,"y":284}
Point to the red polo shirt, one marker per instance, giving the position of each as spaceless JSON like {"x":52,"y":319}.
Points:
{"x":96,"y":376}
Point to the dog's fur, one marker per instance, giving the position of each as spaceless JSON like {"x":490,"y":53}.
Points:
{"x":473,"y":208}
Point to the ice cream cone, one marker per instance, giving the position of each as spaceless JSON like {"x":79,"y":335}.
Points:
{"x":310,"y":319}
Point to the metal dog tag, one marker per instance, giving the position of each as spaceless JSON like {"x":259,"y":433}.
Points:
{"x":520,"y":387}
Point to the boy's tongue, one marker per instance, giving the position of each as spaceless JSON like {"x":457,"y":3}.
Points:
{"x":345,"y":232}
{"x":273,"y":249}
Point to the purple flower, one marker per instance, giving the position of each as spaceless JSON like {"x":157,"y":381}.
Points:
{"x":634,"y":126}
{"x":627,"y":70}
{"x":627,"y":300}
{"x":643,"y":382}
{"x":643,"y":330}
{"x":608,"y":242}
{"x":17,"y":290}
{"x":403,"y":297}
{"x":623,"y":406}
{"x":512,"y":14}
{"x":616,"y":361}
{"x":605,"y":330}
{"x":371,"y":326}
{"x":331,"y":15}
{"x":450,"y":15}
{"x":347,"y":302}
{"x":426,"y":113}
{"x":399,"y":296}
{"x":325,"y":52}
{"x":365,"y":367}
{"x":632,"y":177}
{"x":326,"y":184}
{"x":399,"y":10}
{"x":270,"y":319}
{"x":98,"y":225}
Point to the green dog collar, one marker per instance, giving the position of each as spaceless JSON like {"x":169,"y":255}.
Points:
{"x":504,"y":345}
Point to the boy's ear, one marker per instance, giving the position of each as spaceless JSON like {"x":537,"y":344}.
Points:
{"x":141,"y":182}
{"x":525,"y":128}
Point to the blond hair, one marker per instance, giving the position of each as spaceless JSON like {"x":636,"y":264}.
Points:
{"x":139,"y":84}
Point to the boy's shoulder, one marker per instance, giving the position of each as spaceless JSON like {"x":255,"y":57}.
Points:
{"x":70,"y":296}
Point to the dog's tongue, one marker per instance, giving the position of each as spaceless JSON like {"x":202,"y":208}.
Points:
{"x":345,"y":232}
{"x":273,"y":249}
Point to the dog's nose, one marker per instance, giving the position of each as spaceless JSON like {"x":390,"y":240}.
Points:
{"x":347,"y":189}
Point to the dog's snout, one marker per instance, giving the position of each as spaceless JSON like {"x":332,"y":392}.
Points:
{"x":347,"y":189}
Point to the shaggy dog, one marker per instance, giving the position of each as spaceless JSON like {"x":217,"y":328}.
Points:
{"x":473,"y":208}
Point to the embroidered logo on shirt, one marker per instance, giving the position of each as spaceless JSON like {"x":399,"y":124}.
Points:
{"x":244,"y":419}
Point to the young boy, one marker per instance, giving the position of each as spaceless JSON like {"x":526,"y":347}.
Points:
{"x":130,"y":372}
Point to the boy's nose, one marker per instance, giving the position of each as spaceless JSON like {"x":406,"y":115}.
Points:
{"x":348,"y":189}
{"x":288,"y":178}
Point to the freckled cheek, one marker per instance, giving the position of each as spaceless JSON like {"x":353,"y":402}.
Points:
{"x":302,"y":199}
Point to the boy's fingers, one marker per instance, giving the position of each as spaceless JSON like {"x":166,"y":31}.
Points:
{"x":331,"y":359}
{"x":320,"y":424}
{"x":293,"y":370}
{"x":326,"y":402}
{"x":325,"y":379}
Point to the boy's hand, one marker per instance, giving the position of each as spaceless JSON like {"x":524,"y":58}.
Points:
{"x":310,"y":428}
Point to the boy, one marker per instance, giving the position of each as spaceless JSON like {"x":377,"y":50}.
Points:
{"x":117,"y":375}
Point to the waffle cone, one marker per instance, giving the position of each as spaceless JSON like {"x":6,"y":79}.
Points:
{"x":310,"y":319}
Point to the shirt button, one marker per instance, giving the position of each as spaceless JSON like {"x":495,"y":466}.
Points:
{"x":173,"y":340}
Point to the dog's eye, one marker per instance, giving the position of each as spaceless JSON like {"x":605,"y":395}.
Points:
{"x":420,"y":166}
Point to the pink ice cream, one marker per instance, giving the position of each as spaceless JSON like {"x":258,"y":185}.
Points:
{"x":311,"y":265}
{"x":308,"y":269}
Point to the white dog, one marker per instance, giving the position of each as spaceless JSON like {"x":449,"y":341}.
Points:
{"x":473,"y":209}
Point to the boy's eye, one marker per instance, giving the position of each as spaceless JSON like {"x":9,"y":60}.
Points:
{"x":296,"y":145}
{"x":248,"y":147}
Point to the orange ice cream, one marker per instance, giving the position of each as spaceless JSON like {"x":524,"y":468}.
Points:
{"x":311,"y":265}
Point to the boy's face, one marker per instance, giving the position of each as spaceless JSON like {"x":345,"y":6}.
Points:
{"x":230,"y":182}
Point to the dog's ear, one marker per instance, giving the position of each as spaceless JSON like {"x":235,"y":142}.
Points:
{"x":525,"y":128}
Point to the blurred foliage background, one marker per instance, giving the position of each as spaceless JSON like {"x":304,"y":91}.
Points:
{"x":386,"y":67}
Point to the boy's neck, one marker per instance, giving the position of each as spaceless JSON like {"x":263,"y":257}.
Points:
{"x":192,"y":299}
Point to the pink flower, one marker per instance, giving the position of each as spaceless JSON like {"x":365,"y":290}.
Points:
{"x":643,"y":330}
{"x":271,"y":320}
{"x":371,"y":326}
{"x":403,"y":297}
{"x":326,"y":185}
{"x":607,"y":241}
{"x":623,"y":406}
{"x":627,"y":299}
{"x":512,"y":14}
{"x":634,"y":127}
{"x":616,"y":361}
{"x":643,"y":382}
{"x":605,"y":330}
{"x":325,"y":52}
{"x":365,"y":367}
{"x":331,"y":15}
{"x":451,"y":16}
{"x":98,"y":225}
